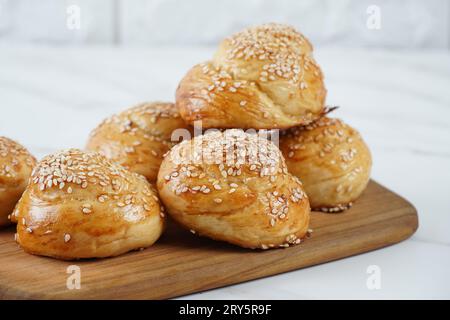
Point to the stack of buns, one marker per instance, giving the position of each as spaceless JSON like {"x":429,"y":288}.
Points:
{"x":230,"y":183}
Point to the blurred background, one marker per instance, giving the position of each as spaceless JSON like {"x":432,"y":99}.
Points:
{"x":401,"y":24}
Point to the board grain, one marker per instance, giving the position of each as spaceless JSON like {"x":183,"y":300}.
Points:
{"x":181,"y":263}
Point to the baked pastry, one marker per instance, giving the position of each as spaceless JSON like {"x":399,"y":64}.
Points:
{"x":235,"y":187}
{"x":331,"y":159}
{"x":81,"y":205}
{"x":16,"y":164}
{"x":263,"y":77}
{"x":138,"y":137}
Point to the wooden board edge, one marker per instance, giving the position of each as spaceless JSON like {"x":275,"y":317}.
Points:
{"x":410,"y":222}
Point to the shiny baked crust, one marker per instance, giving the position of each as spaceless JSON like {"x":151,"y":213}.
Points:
{"x":138,"y":137}
{"x":16,"y":164}
{"x":235,"y":196}
{"x":331,"y":159}
{"x":263,"y":77}
{"x":81,"y":205}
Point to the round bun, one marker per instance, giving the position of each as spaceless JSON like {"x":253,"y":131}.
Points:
{"x":16,"y":164}
{"x":332,"y":161}
{"x":138,"y":138}
{"x":263,"y":77}
{"x":81,"y":205}
{"x":235,"y":187}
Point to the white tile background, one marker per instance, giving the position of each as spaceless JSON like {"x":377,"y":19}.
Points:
{"x":404,"y":23}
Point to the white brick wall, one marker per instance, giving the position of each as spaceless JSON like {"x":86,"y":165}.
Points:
{"x":404,"y":23}
{"x":44,"y":21}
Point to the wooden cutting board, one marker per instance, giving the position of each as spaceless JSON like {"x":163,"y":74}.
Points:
{"x":181,"y":263}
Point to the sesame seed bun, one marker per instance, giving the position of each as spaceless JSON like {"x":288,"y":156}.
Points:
{"x":16,"y":164}
{"x":332,"y":161}
{"x":233,"y":186}
{"x":138,"y":137}
{"x":263,"y":77}
{"x":80,"y":205}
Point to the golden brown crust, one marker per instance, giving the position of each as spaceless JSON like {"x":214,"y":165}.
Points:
{"x":16,"y":164}
{"x":263,"y":77}
{"x":245,"y":196}
{"x":81,"y":205}
{"x":332,"y":161}
{"x":138,"y":137}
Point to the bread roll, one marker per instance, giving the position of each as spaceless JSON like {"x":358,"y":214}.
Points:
{"x":331,"y":159}
{"x":263,"y":77}
{"x":235,"y":187}
{"x":138,"y":137}
{"x":81,"y":205}
{"x":16,"y":164}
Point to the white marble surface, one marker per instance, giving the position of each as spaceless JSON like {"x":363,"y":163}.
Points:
{"x":403,"y":24}
{"x":50,"y":98}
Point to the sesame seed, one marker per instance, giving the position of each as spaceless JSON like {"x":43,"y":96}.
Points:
{"x":67,"y":237}
{"x":272,"y":222}
{"x":86,"y":210}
